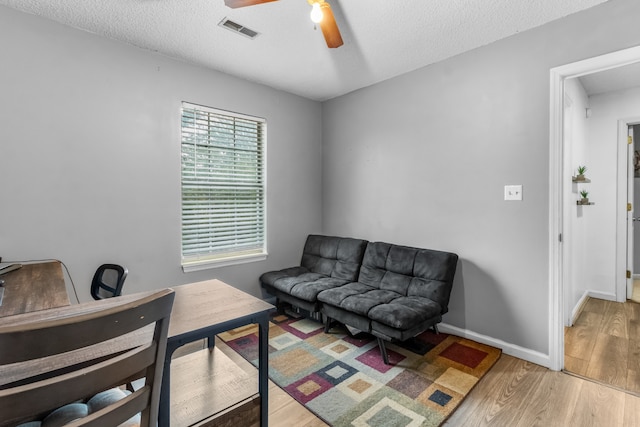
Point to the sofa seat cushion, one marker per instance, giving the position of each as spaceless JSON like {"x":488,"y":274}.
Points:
{"x":309,"y":291}
{"x":405,"y":312}
{"x":270,"y":278}
{"x":305,"y":286}
{"x":361,"y":323}
{"x":357,"y":297}
{"x":383,"y":306}
{"x":286,"y":284}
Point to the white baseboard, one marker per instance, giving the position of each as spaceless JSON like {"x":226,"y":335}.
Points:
{"x":507,"y":348}
{"x":580,"y":304}
{"x":602,"y":295}
{"x":515,"y":350}
{"x":578,"y":307}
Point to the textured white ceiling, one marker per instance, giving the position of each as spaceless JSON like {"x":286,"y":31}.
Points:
{"x":383,"y":38}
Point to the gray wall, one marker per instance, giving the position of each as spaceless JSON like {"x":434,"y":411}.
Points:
{"x":422,"y":160}
{"x":90,"y":156}
{"x":89,"y":160}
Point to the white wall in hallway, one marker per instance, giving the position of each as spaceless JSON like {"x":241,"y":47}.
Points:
{"x":576,"y":153}
{"x":600,"y":262}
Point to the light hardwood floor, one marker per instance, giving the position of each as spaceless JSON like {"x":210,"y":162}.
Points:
{"x":635,"y":295}
{"x":514,"y":393}
{"x":284,"y":410}
{"x":604,"y":344}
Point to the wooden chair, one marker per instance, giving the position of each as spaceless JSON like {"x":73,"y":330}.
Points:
{"x":52,"y":358}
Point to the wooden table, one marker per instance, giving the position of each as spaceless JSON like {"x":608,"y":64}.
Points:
{"x":33,"y":287}
{"x":202,"y":310}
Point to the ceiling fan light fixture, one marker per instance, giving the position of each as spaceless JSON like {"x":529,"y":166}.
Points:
{"x":316,"y":13}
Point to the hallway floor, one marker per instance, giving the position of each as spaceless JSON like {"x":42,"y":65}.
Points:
{"x":604,"y":344}
{"x":635,"y":296}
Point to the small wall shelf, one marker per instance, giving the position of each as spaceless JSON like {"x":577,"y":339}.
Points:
{"x":582,"y":180}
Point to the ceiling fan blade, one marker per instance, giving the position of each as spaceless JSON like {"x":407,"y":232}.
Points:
{"x":329,"y":27}
{"x":242,"y":3}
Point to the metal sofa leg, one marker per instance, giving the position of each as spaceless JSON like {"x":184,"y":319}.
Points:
{"x":327,"y":326}
{"x":383,"y":351}
{"x":435,"y":329}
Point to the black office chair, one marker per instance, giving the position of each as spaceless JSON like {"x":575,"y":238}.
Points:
{"x":108,"y":281}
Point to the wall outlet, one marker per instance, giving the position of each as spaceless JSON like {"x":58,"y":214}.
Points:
{"x":513,"y":192}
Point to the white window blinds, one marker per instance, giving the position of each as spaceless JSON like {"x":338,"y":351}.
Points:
{"x":223,"y":185}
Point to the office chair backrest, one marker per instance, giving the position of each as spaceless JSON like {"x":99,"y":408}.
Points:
{"x":58,"y":357}
{"x":108,"y":281}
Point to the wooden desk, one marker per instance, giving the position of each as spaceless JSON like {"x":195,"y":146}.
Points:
{"x":34,"y":287}
{"x":202,"y":310}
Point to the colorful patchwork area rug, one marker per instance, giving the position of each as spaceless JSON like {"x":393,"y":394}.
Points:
{"x":343,"y":380}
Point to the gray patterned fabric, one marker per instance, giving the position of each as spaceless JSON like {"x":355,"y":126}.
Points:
{"x":399,"y":290}
{"x":337,"y":257}
{"x":327,"y":262}
{"x":391,"y":291}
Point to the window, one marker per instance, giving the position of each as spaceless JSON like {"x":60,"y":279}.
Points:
{"x":223,"y":187}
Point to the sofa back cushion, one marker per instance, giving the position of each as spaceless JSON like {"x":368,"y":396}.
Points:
{"x":338,"y":257}
{"x":409,"y":271}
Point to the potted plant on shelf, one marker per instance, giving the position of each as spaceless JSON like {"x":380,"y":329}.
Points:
{"x":585,"y":197}
{"x":581,"y":171}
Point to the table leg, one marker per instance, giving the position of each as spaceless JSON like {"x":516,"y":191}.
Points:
{"x":263,"y":370}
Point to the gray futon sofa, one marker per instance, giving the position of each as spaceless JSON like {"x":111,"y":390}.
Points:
{"x":392,"y":292}
{"x":327,"y":262}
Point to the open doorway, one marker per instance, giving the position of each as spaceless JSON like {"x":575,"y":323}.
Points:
{"x":601,"y":334}
{"x":563,"y":195}
{"x":596,"y":272}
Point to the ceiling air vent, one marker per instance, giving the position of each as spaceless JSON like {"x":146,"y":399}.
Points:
{"x":237,"y":28}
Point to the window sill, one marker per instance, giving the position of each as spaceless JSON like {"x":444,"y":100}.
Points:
{"x":206,"y":264}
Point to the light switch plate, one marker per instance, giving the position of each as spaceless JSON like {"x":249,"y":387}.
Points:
{"x":513,"y":192}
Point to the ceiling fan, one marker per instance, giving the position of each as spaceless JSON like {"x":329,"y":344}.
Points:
{"x":321,"y":14}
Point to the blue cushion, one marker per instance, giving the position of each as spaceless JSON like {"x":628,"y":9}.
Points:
{"x":65,"y":415}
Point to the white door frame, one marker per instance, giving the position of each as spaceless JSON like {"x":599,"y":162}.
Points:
{"x":557,"y":175}
{"x":625,"y":225}
{"x":624,"y":218}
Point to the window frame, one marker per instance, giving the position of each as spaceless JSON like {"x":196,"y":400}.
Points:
{"x":211,"y":258}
